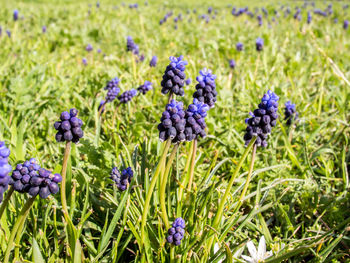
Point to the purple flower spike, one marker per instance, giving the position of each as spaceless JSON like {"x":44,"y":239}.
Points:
{"x":206,"y":88}
{"x":262,"y":120}
{"x":239,"y":46}
{"x":176,"y":232}
{"x":15,"y":15}
{"x":89,"y":48}
{"x":174,"y":77}
{"x":259,"y":44}
{"x":290,"y":113}
{"x":153,"y":61}
{"x":195,"y":120}
{"x":147,"y":86}
{"x":232,"y":63}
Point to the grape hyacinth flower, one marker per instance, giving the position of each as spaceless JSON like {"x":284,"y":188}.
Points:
{"x":153,"y":61}
{"x":69,"y":128}
{"x":206,"y":88}
{"x":239,"y":46}
{"x":232,"y":63}
{"x":102,"y":105}
{"x":113,"y":89}
{"x":174,"y":76}
{"x":262,"y":120}
{"x":44,"y":183}
{"x":123,"y":179}
{"x":131,"y":46}
{"x":89,"y":48}
{"x":188,"y":81}
{"x":147,"y":86}
{"x":259,"y":44}
{"x":195,"y":122}
{"x":84,"y":60}
{"x":290,"y":113}
{"x":43,"y":29}
{"x":5,"y":169}
{"x":22,"y":174}
{"x":346,"y":24}
{"x":15,"y":15}
{"x":172,"y":124}
{"x":309,"y":17}
{"x":176,"y":232}
{"x":8,"y":32}
{"x":127,"y":95}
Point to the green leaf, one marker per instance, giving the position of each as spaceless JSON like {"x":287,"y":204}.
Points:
{"x":37,"y":257}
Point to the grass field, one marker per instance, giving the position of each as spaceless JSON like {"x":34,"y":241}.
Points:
{"x":294,"y":193}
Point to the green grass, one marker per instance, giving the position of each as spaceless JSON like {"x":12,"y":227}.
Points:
{"x":298,"y":194}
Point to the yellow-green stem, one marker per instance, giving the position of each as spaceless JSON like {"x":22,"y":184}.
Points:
{"x":163,"y":186}
{"x":228,"y":189}
{"x":184,"y":173}
{"x":64,"y":173}
{"x":20,"y":221}
{"x":5,"y":201}
{"x":193,"y":161}
{"x":150,"y":190}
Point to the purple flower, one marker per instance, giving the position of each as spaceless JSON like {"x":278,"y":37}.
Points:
{"x":239,"y":46}
{"x":290,"y":113}
{"x":15,"y":15}
{"x":131,"y":46}
{"x":206,"y":88}
{"x":309,"y":17}
{"x":188,"y":81}
{"x":5,"y":169}
{"x":102,"y":104}
{"x":176,"y":232}
{"x":69,"y":128}
{"x":232,"y":63}
{"x":127,"y":96}
{"x":123,"y":179}
{"x":262,"y":120}
{"x":153,"y":61}
{"x":113,"y":89}
{"x":43,"y":29}
{"x":89,"y":48}
{"x":8,"y":32}
{"x":195,"y":122}
{"x":147,"y":86}
{"x":346,"y":24}
{"x":84,"y":60}
{"x":174,"y":77}
{"x":259,"y":44}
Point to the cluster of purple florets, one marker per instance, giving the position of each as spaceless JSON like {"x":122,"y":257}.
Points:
{"x":174,"y":77}
{"x":127,"y":96}
{"x":153,"y":61}
{"x":239,"y":46}
{"x":172,"y":123}
{"x":113,"y":89}
{"x":165,"y":18}
{"x":5,"y":169}
{"x":131,"y":46}
{"x":232,"y":63}
{"x":123,"y":179}
{"x":30,"y":178}
{"x":290,"y":113}
{"x":176,"y":232}
{"x":259,"y":44}
{"x":195,"y":122}
{"x":262,"y":120}
{"x":69,"y":128}
{"x":206,"y":88}
{"x":144,"y":88}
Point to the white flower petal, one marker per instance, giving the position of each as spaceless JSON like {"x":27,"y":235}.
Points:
{"x":262,"y":248}
{"x":268,"y":254}
{"x":248,"y":259}
{"x":252,"y":250}
{"x":216,"y":248}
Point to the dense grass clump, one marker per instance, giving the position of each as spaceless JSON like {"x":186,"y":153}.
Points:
{"x":191,"y":184}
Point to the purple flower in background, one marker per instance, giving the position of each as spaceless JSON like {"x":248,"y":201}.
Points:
{"x":43,"y":29}
{"x":210,"y":9}
{"x":0,"y":31}
{"x":153,"y":61}
{"x":188,"y":81}
{"x":239,"y":46}
{"x":259,"y":44}
{"x":141,"y":58}
{"x":102,"y":104}
{"x":127,"y":96}
{"x":346,"y":24}
{"x":290,"y":113}
{"x":98,"y":4}
{"x":123,"y":179}
{"x":335,"y":20}
{"x":8,"y":32}
{"x":131,"y":46}
{"x":147,"y":86}
{"x":232,"y":63}
{"x":309,"y":17}
{"x":113,"y":89}
{"x":260,"y":20}
{"x":89,"y":48}
{"x":15,"y":15}
{"x":99,"y":50}
{"x":5,"y":169}
{"x":84,"y":60}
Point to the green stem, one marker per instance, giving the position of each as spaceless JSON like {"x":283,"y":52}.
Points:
{"x":151,"y":188}
{"x":163,"y":186}
{"x":63,"y":184}
{"x":18,"y":225}
{"x":240,"y":201}
{"x":5,"y":201}
{"x":172,"y":254}
{"x":193,"y":161}
{"x":228,"y":188}
{"x":184,"y":180}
